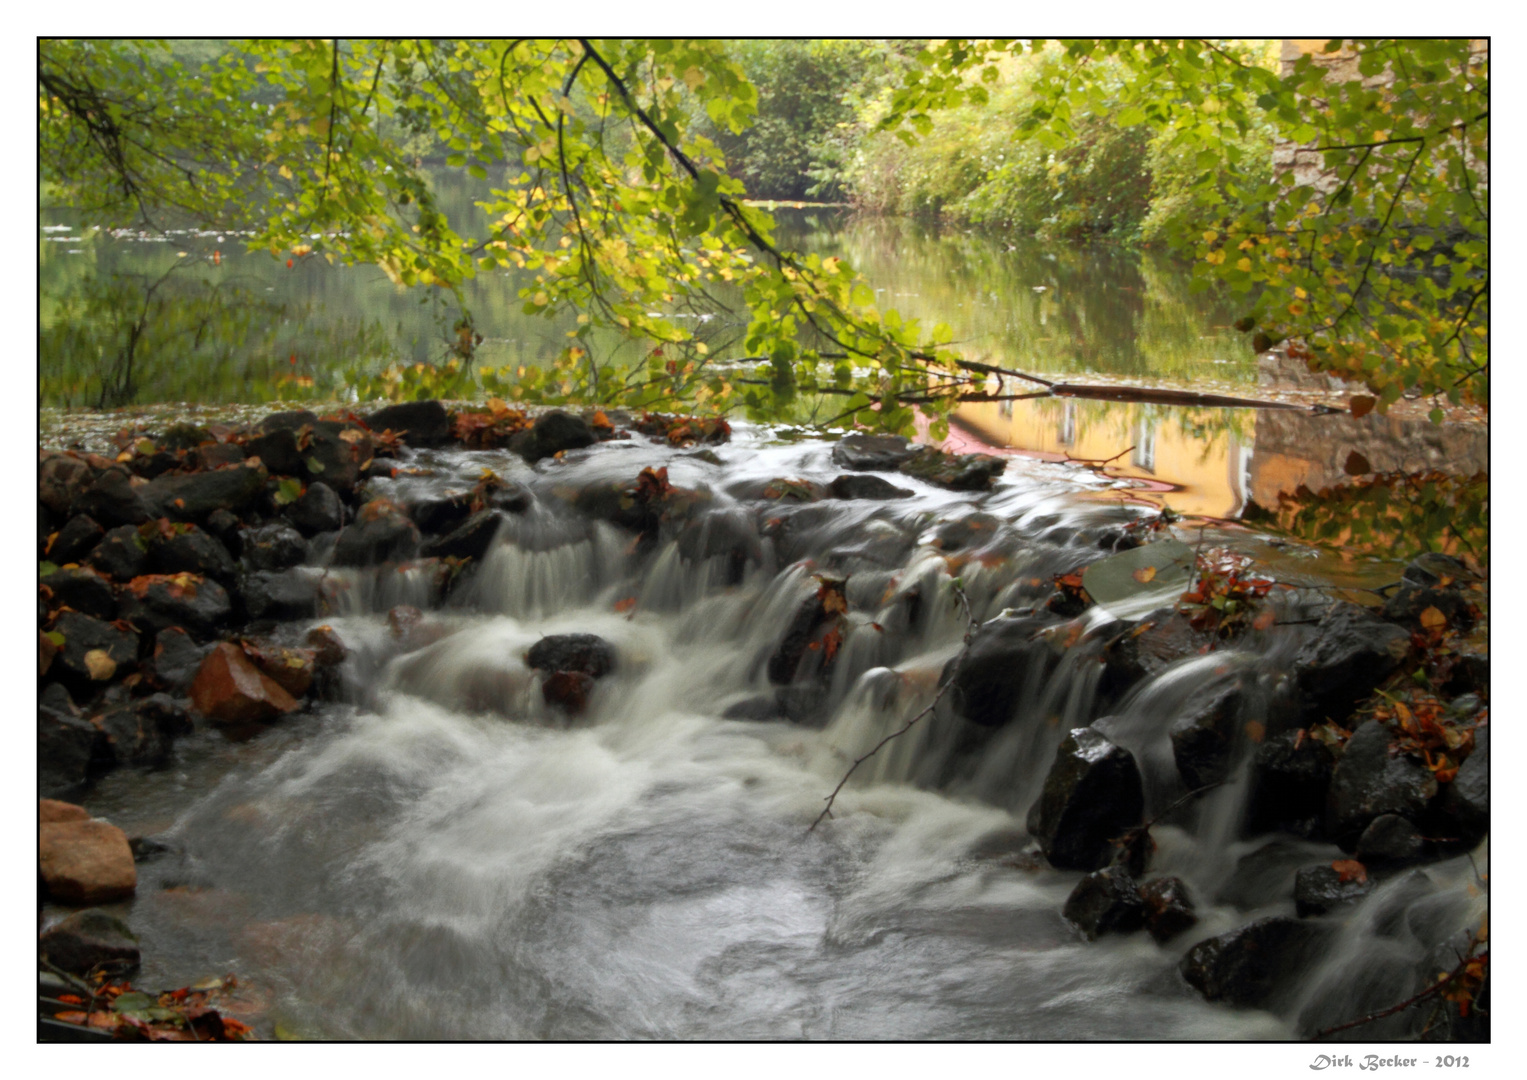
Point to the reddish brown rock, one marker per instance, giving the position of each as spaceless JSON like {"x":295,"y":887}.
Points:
{"x":85,"y":862}
{"x":289,"y":668}
{"x":329,"y":650}
{"x":568,"y":690}
{"x":231,"y":692}
{"x":52,"y":811}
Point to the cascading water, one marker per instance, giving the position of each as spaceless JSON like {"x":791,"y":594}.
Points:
{"x":446,"y":855}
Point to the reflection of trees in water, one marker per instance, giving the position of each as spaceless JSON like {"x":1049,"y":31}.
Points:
{"x":118,"y":338}
{"x":1025,"y":304}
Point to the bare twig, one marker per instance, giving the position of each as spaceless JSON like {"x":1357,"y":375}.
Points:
{"x":970,"y":630}
{"x":1431,"y":991}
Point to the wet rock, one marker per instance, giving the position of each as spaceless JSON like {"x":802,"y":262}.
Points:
{"x":586,"y":653}
{"x":112,"y":500}
{"x":1369,"y":781}
{"x":1410,"y":602}
{"x":568,"y":690}
{"x":317,"y":510}
{"x":1156,"y":641}
{"x":215,"y":455}
{"x":871,"y":453}
{"x":757,"y":708}
{"x":88,"y":643}
{"x":1465,"y":803}
{"x":1206,"y":734}
{"x":83,"y":590}
{"x":1004,"y":658}
{"x":958,"y":472}
{"x":280,"y":596}
{"x":875,"y":545}
{"x":784,"y":489}
{"x":333,"y":455}
{"x":470,"y":540}
{"x":122,"y":554}
{"x":1168,"y":908}
{"x":136,"y":731}
{"x":1390,"y":840}
{"x":1091,"y":796}
{"x":329,"y":650}
{"x":61,"y":478}
{"x":196,"y":496}
{"x":1321,"y":889}
{"x":1252,"y":966}
{"x":866,"y":487}
{"x":380,"y":533}
{"x":1105,"y":902}
{"x":723,"y":534}
{"x":436,"y":517}
{"x":290,"y":668}
{"x":157,"y":602}
{"x":233,"y":694}
{"x":156,"y":464}
{"x":803,"y":704}
{"x":1267,"y":872}
{"x":51,"y":811}
{"x":1471,"y":672}
{"x":422,"y":423}
{"x":190,"y":550}
{"x":87,"y":940}
{"x":1290,"y":776}
{"x":1352,"y":651}
{"x":175,"y":661}
{"x":1433,"y":569}
{"x":552,"y":433}
{"x":185,"y":436}
{"x":293,"y":420}
{"x":273,"y":547}
{"x":805,"y":629}
{"x":85,"y":862}
{"x":75,"y":540}
{"x":226,"y":527}
{"x":277,"y":450}
{"x":55,"y":697}
{"x":68,"y":750}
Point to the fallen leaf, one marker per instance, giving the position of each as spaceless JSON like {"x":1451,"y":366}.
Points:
{"x":1433,"y":619}
{"x":1255,"y":731}
{"x":1263,"y":620}
{"x":1350,"y":870}
{"x":625,"y":605}
{"x":1144,"y":574}
{"x":1361,"y":405}
{"x":100,"y":665}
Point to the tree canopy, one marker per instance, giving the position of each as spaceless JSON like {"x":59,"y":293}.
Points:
{"x":606,"y":187}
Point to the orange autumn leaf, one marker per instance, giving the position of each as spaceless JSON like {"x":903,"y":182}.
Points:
{"x":1263,"y":620}
{"x":1432,"y":619}
{"x":1350,"y":870}
{"x":1255,"y":731}
{"x":625,"y":605}
{"x":1145,"y":574}
{"x":831,"y":643}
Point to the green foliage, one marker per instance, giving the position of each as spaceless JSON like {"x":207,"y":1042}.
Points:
{"x":1372,"y":250}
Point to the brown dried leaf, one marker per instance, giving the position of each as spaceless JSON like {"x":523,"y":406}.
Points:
{"x":1350,"y":870}
{"x":100,"y":665}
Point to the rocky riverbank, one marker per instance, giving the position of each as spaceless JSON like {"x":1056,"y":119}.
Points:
{"x":185,"y":582}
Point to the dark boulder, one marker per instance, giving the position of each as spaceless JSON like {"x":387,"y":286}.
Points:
{"x":1410,"y":602}
{"x":971,"y":531}
{"x":806,"y":629}
{"x":225,"y":525}
{"x":958,"y":472}
{"x":1253,"y":966}
{"x":139,"y":732}
{"x":185,"y":436}
{"x":470,"y":540}
{"x":757,"y":708}
{"x":1433,"y":569}
{"x":273,"y":547}
{"x":157,"y":602}
{"x":586,"y":653}
{"x":112,"y":500}
{"x":333,"y":454}
{"x":1168,"y":908}
{"x":380,"y":533}
{"x":1105,"y":902}
{"x":1207,"y":733}
{"x":87,"y":940}
{"x":316,"y":510}
{"x":190,"y":550}
{"x":871,"y":453}
{"x":422,"y":423}
{"x":1091,"y":796}
{"x":214,"y":455}
{"x":803,"y":704}
{"x":1005,"y":657}
{"x":69,"y":749}
{"x":436,"y":517}
{"x":75,"y":665}
{"x":280,"y":595}
{"x":1157,"y":641}
{"x":1369,"y":781}
{"x":552,"y":433}
{"x":866,"y":487}
{"x":730,"y":534}
{"x":1352,"y":652}
{"x":277,"y":450}
{"x":175,"y":660}
{"x":1319,"y":890}
{"x":288,"y":421}
{"x":196,"y":496}
{"x":1465,"y":803}
{"x":122,"y":554}
{"x":62,"y":478}
{"x":83,"y":590}
{"x":156,"y":464}
{"x":1390,"y":840}
{"x":75,"y":540}
{"x":1290,"y":776}
{"x":568,"y":690}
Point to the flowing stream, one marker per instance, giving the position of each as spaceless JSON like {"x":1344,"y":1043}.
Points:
{"x":441,"y":855}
